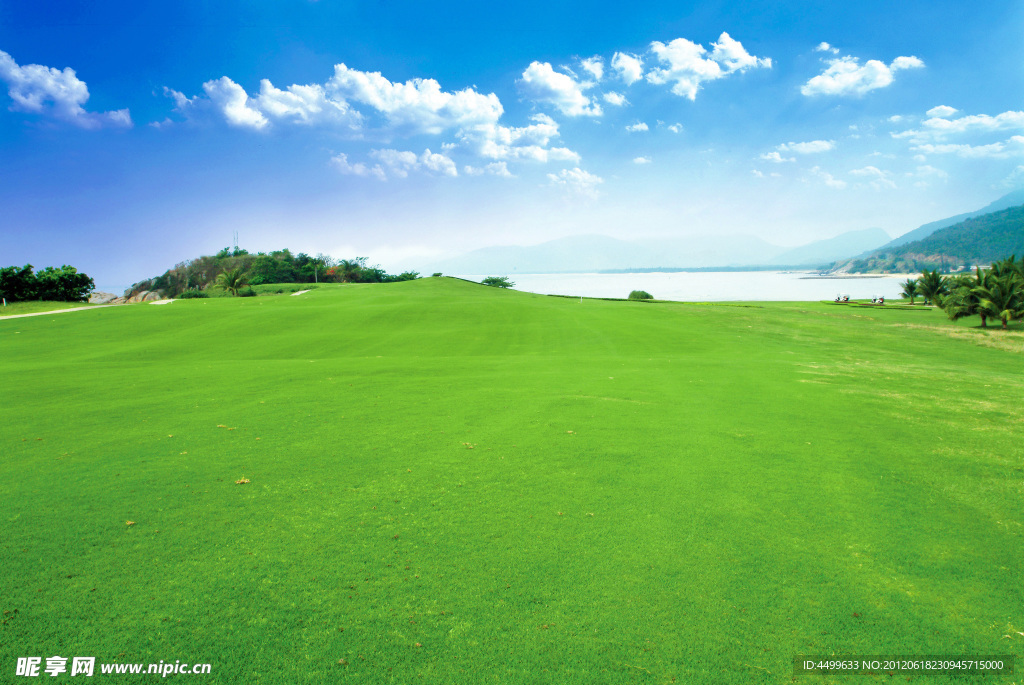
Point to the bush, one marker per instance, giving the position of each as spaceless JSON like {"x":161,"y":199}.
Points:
{"x":498,"y":282}
{"x":640,"y":295}
{"x":436,"y":274}
{"x":192,"y":294}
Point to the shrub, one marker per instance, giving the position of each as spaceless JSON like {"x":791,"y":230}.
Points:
{"x":192,"y":294}
{"x":640,"y":295}
{"x":498,"y":282}
{"x":436,"y":274}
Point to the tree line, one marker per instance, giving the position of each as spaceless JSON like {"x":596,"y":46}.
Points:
{"x":993,"y":293}
{"x":241,"y":269}
{"x":64,"y":284}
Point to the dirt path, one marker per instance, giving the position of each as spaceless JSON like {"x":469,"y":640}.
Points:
{"x":73,"y":309}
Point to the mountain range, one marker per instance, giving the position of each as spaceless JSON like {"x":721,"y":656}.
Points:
{"x":850,"y":251}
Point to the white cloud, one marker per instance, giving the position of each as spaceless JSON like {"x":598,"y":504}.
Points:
{"x":776,"y":157}
{"x":233,"y":102}
{"x":593,"y":66}
{"x":628,"y":67}
{"x":641,"y":160}
{"x":577,"y":180}
{"x":531,"y":142}
{"x":942,"y":111}
{"x":757,"y":173}
{"x":929,"y":170}
{"x":617,"y":99}
{"x":541,"y":83}
{"x":895,"y":118}
{"x":639,"y":126}
{"x":419,"y":105}
{"x":808,"y":148}
{"x":977,"y":122}
{"x":676,"y":128}
{"x":1011,"y":148}
{"x":56,"y":93}
{"x":847,"y":76}
{"x":494,"y":169}
{"x":401,"y":162}
{"x":1015,"y":179}
{"x":687,"y":66}
{"x":304,"y":105}
{"x":830,"y":180}
{"x":876,"y":177}
{"x":825,"y":47}
{"x":341,"y":163}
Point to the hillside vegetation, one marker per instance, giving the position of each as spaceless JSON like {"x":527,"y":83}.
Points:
{"x":975,"y":241}
{"x":441,"y":482}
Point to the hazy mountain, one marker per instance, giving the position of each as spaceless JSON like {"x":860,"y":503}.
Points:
{"x":1005,"y":202}
{"x":841,"y":247}
{"x":598,"y":253}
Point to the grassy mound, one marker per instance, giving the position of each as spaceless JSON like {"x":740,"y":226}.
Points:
{"x":456,"y":483}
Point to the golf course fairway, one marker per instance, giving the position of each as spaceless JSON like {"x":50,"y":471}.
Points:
{"x":450,"y":483}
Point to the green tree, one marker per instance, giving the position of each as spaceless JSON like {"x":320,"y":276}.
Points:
{"x":17,"y":283}
{"x":640,"y":295}
{"x":964,"y":298}
{"x":63,"y":285}
{"x":909,"y":289}
{"x":1002,"y":297}
{"x":350,"y":270}
{"x":232,"y":280}
{"x":498,"y":282}
{"x":932,"y":286}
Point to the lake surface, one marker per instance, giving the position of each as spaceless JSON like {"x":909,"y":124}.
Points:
{"x":711,"y":286}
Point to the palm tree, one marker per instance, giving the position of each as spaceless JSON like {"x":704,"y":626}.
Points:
{"x":349,"y":270}
{"x":1002,"y":297}
{"x":233,"y":280}
{"x":931,"y":286}
{"x":909,"y":289}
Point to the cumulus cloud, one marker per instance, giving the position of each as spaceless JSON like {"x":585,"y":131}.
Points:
{"x":541,"y":83}
{"x":808,"y":148}
{"x":593,"y":66}
{"x":676,"y":128}
{"x":641,"y":160}
{"x":830,"y":180}
{"x":493,"y":169}
{"x":400,"y":163}
{"x":233,"y":102}
{"x":875,"y":177}
{"x":577,"y":180}
{"x":847,"y":76}
{"x":341,"y":163}
{"x":825,"y":47}
{"x":776,"y":157}
{"x":637,"y":127}
{"x":628,"y":67}
{"x":418,"y":105}
{"x":942,"y":111}
{"x":687,"y":65}
{"x":613,"y":98}
{"x":55,"y":93}
{"x":1001,"y":150}
{"x":526,"y":142}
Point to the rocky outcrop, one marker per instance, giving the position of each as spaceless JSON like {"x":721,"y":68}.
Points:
{"x":143,"y":296}
{"x":96,"y":297}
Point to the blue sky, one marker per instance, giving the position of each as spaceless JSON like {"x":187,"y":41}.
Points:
{"x":133,"y":137}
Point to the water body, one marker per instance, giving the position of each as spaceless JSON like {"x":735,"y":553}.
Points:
{"x":711,"y":286}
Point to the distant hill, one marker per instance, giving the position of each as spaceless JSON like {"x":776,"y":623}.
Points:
{"x":590,"y":253}
{"x":833,"y":249}
{"x":977,"y":240}
{"x":1005,"y":202}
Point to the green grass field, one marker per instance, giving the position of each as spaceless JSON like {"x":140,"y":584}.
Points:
{"x":458,"y":484}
